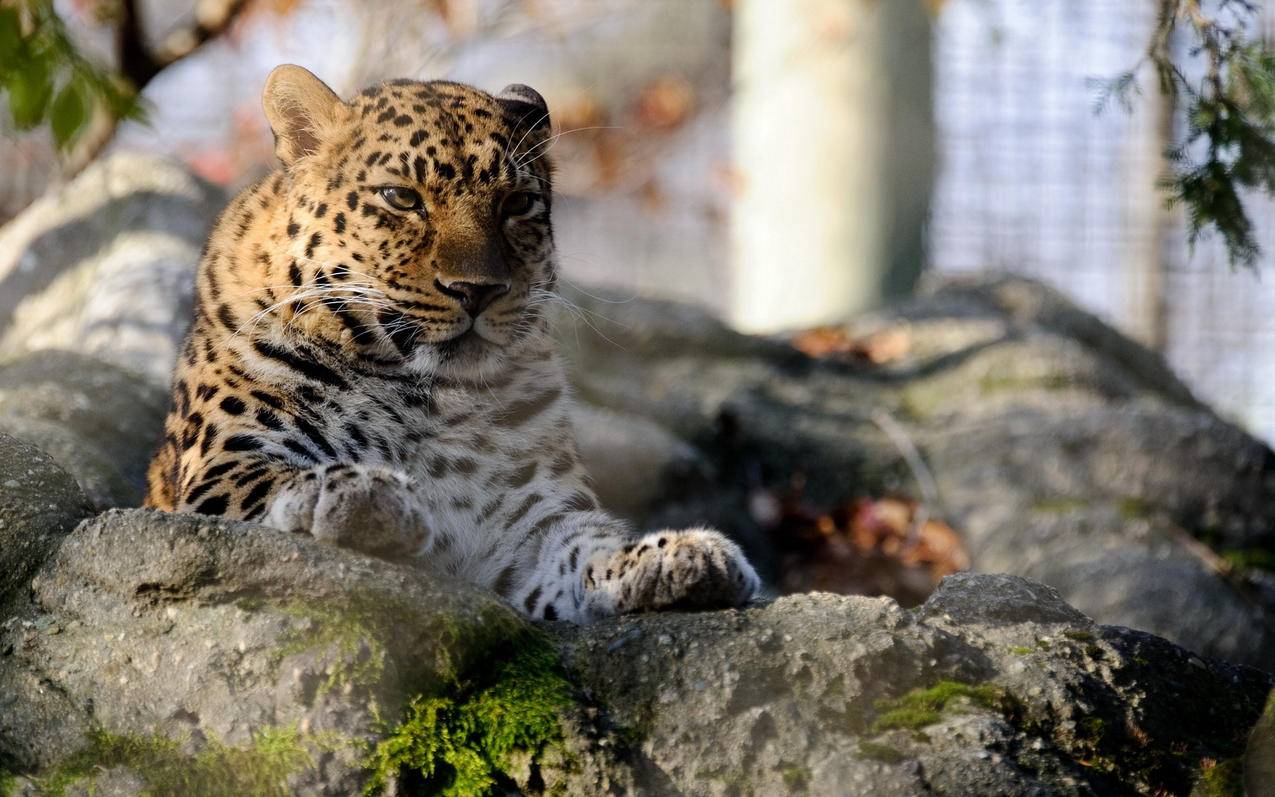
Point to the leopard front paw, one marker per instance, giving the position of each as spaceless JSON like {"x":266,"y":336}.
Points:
{"x":692,"y":569}
{"x":368,"y":508}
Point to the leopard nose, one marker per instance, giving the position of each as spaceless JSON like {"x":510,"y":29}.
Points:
{"x":474,"y":297}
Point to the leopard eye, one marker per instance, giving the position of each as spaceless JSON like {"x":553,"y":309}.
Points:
{"x":517,"y":203}
{"x":400,"y":198}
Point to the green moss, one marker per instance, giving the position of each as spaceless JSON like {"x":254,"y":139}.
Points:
{"x":1250,"y":559}
{"x":8,"y":783}
{"x":258,"y":770}
{"x":999,"y":383}
{"x":463,"y":744}
{"x":1078,"y":636}
{"x":359,"y":657}
{"x":881,"y":752}
{"x":1092,"y":728}
{"x":1020,"y":650}
{"x":350,"y":634}
{"x":922,"y":707}
{"x":1225,"y":779}
{"x":796,"y":777}
{"x":1134,"y":509}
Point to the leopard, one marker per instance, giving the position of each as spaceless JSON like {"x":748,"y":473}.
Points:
{"x":371,"y":360}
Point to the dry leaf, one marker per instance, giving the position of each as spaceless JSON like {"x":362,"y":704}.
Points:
{"x":833,"y":342}
{"x":871,"y":546}
{"x":665,"y":103}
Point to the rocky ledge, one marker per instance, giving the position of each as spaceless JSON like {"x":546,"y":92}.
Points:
{"x":181,"y":655}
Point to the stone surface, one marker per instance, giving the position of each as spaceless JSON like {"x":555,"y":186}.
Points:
{"x":1059,"y":449}
{"x":39,"y":504}
{"x":149,"y":631}
{"x":167,"y":654}
{"x":104,"y":265}
{"x":802,"y":696}
{"x":98,"y":421}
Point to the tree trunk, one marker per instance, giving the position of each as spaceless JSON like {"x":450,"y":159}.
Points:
{"x":834,"y":141}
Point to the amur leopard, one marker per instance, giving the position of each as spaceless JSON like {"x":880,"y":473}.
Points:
{"x":369,"y":361}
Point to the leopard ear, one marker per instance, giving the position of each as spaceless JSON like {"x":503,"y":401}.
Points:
{"x":530,"y":110}
{"x":301,"y":110}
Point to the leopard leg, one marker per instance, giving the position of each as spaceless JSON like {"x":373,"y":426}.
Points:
{"x":689,"y":569}
{"x":375,"y":510}
{"x":591,"y":566}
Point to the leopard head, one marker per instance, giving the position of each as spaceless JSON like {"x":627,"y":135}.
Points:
{"x":423,"y":208}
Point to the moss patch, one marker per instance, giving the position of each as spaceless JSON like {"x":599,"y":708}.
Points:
{"x":348,"y":635}
{"x":1250,"y":559}
{"x":1221,"y":780}
{"x":922,"y":707}
{"x":881,"y":752}
{"x":8,"y":783}
{"x":1000,"y":383}
{"x":796,"y":777}
{"x":1134,"y":509}
{"x":464,"y":744}
{"x":259,"y":769}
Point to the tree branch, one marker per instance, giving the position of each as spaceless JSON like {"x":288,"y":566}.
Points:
{"x":140,"y":65}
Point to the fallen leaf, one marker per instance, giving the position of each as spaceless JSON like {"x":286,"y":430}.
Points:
{"x":881,"y":546}
{"x":832,"y":342}
{"x":665,"y":102}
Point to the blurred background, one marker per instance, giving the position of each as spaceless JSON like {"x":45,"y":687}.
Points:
{"x":735,"y":153}
{"x":738,"y":154}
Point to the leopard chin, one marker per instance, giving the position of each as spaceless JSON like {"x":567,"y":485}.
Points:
{"x":467,"y":357}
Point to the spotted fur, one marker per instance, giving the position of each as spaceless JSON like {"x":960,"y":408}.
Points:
{"x":380,"y":375}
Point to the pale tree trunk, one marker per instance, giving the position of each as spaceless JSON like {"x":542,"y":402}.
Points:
{"x":834,"y":143}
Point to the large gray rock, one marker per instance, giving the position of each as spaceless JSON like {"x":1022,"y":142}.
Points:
{"x":105,"y":264}
{"x":995,"y":686}
{"x":1060,"y":450}
{"x":182,"y":655}
{"x":199,"y":657}
{"x":99,"y":422}
{"x":39,"y":504}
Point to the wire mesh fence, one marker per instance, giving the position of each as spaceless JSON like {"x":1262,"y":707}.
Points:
{"x":1034,"y":179}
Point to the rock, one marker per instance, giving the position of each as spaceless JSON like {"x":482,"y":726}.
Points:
{"x":39,"y":504}
{"x":209,"y":657}
{"x":1059,"y":449}
{"x":995,"y":687}
{"x":186,"y":655}
{"x":1259,"y":758}
{"x":980,"y":600}
{"x":105,"y":264}
{"x":634,"y":462}
{"x":97,"y":421}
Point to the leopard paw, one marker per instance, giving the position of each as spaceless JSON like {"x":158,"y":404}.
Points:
{"x":368,"y":508}
{"x":692,"y":569}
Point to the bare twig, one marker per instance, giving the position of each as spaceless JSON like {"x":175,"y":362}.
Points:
{"x":920,"y":471}
{"x":140,"y":65}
